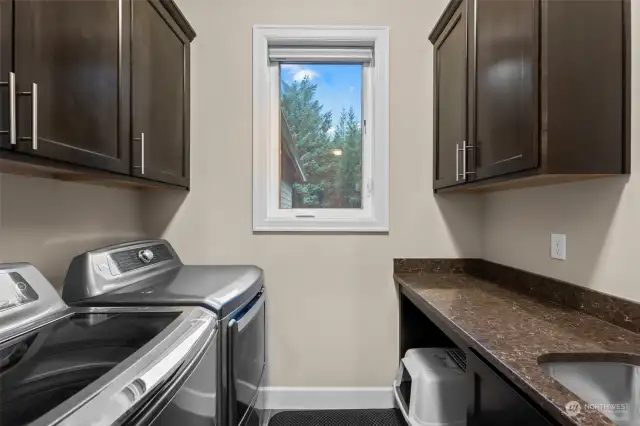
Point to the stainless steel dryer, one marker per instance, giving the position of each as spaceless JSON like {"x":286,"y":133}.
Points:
{"x":150,"y":273}
{"x":91,"y":366}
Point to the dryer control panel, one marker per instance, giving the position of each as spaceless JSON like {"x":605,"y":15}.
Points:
{"x":140,"y":257}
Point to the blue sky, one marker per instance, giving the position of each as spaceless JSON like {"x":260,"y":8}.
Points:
{"x":339,"y":86}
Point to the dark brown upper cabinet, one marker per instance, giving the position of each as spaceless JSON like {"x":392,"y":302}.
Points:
{"x":7,"y":80}
{"x":91,"y":78}
{"x":547,"y":92}
{"x":160,"y":95}
{"x":450,"y":93}
{"x":70,"y":56}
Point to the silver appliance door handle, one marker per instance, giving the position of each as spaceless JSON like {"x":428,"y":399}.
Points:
{"x":11,"y":84}
{"x":173,"y":357}
{"x":246,"y":319}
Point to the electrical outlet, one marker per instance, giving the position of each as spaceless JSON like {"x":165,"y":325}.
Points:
{"x":559,"y":246}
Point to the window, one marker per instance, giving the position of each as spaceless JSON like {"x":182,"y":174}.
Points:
{"x":320,"y":129}
{"x":321,"y":134}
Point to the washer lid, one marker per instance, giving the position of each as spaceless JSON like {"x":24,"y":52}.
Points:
{"x":100,"y":366}
{"x":221,"y":289}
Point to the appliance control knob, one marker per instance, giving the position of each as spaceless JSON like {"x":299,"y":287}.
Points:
{"x":145,"y":255}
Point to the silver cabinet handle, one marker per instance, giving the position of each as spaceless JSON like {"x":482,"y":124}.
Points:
{"x":12,"y":108}
{"x":457,"y":161}
{"x":462,"y":175}
{"x":464,"y":159}
{"x":465,"y":147}
{"x":141,"y":139}
{"x":34,"y":115}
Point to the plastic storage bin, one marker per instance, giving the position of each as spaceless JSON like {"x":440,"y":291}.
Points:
{"x":430,"y":387}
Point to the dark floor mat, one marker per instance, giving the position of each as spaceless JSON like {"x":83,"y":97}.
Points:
{"x":389,"y":417}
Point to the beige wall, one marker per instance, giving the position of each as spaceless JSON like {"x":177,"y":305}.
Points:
{"x":600,"y":218}
{"x":47,"y":222}
{"x":332,"y":306}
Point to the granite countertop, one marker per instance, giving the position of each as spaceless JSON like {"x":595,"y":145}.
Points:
{"x":511,"y":330}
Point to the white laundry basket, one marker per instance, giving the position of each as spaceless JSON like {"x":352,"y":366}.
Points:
{"x":430,"y":387}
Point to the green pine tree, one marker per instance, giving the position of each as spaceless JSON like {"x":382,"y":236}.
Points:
{"x":332,"y":181}
{"x":348,"y":137}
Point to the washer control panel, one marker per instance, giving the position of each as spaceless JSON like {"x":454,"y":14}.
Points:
{"x":26,"y":296}
{"x":15,"y":291}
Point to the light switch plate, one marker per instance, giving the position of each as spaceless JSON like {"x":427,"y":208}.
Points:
{"x":559,"y":246}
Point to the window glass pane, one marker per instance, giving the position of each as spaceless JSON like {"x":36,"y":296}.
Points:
{"x":320,"y":136}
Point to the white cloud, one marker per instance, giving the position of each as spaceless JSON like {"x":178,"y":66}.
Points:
{"x":303,"y":73}
{"x":331,"y":131}
{"x":298,"y":72}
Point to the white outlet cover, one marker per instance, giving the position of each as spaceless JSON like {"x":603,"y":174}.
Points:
{"x":559,"y":246}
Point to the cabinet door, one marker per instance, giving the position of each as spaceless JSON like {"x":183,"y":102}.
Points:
{"x":160,"y":90}
{"x":6,"y":67}
{"x":505,"y":125}
{"x":76,"y":54}
{"x":450,"y":100}
{"x":493,"y":401}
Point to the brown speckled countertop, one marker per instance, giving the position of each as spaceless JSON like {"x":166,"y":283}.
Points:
{"x":511,"y":330}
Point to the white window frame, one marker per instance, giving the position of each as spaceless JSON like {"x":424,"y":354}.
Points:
{"x":267,"y":214}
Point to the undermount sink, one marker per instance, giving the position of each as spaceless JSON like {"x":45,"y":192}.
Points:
{"x":612,"y":387}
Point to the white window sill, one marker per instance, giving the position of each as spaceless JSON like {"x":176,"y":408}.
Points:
{"x":320,"y":225}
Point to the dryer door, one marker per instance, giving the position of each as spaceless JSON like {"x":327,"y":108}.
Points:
{"x":246,"y":361}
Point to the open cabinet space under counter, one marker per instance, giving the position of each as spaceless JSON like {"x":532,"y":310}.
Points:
{"x":518,"y":331}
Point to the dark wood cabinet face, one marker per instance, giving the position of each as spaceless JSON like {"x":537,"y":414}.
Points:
{"x":6,"y":66}
{"x":506,"y":88}
{"x":75,"y":52}
{"x":159,"y":95}
{"x":450,"y":95}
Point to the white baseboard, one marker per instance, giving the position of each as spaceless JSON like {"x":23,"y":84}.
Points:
{"x":285,"y":398}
